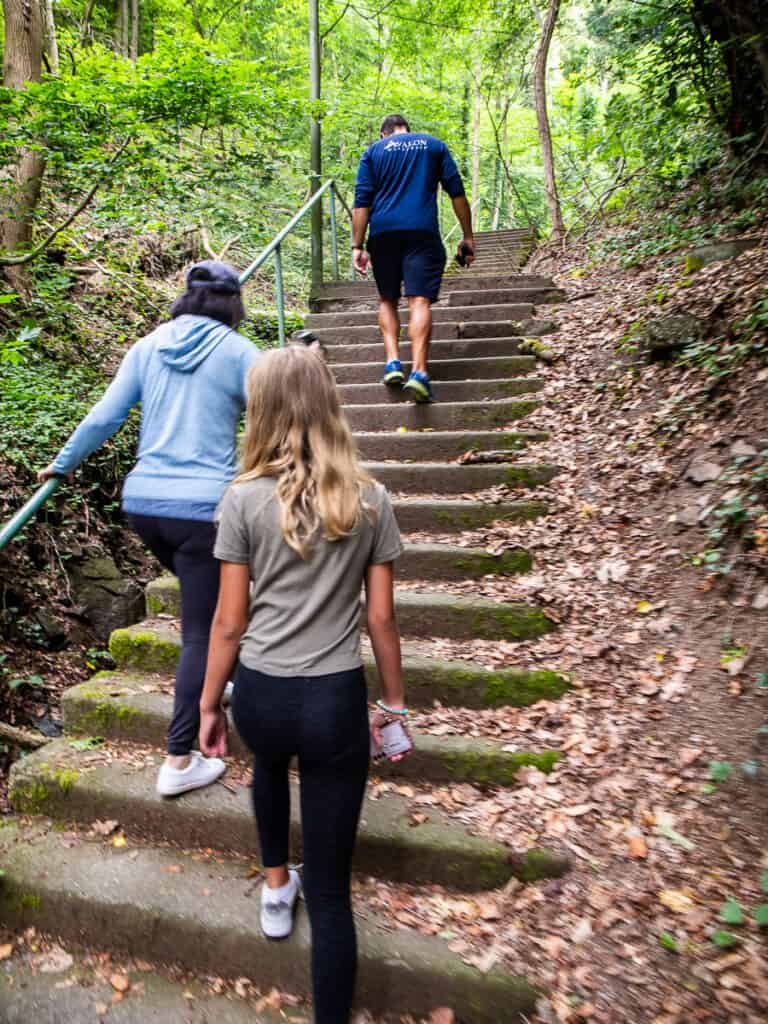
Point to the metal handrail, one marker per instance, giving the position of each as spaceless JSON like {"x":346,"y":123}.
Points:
{"x":275,"y":247}
{"x":25,"y":513}
{"x":41,"y":495}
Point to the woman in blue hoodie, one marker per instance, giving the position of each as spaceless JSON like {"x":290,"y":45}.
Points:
{"x":189,"y":375}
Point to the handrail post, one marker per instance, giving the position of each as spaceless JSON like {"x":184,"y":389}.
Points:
{"x":280,"y":295}
{"x":315,"y":144}
{"x":334,"y":237}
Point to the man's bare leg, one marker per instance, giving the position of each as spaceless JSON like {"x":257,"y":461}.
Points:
{"x":389,"y":324}
{"x":420,"y":330}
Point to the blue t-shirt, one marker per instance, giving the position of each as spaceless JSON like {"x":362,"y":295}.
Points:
{"x":398,"y":178}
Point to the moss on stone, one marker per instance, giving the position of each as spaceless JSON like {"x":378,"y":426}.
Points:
{"x":483,"y":564}
{"x":528,"y":476}
{"x":30,"y":798}
{"x":495,"y":768}
{"x":507,"y":622}
{"x":65,"y":778}
{"x":109,"y":717}
{"x":538,"y":863}
{"x":146,"y":650}
{"x":523,"y":688}
{"x":163,"y":596}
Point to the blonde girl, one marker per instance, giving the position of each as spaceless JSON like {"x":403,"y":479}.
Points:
{"x":301,"y":530}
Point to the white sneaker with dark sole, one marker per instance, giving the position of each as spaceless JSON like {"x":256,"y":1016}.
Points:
{"x":201,"y":771}
{"x":278,"y":907}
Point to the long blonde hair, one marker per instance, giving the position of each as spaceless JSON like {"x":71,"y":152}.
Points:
{"x":295,"y":431}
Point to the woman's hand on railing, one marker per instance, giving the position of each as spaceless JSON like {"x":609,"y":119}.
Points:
{"x":49,"y":471}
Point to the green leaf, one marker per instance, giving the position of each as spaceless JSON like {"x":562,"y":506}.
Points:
{"x":762,"y":680}
{"x":724,"y":939}
{"x":676,"y":837}
{"x":8,"y":297}
{"x":731,"y":912}
{"x":88,"y":743}
{"x":669,"y":942}
{"x":719,"y":771}
{"x":708,"y":789}
{"x":760,"y":914}
{"x":764,"y":881}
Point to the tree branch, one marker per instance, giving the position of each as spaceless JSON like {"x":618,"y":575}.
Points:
{"x":27,"y":257}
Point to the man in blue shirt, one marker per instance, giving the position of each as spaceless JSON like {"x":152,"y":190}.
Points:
{"x":396,"y":194}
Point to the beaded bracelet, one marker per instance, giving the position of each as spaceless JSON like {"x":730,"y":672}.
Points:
{"x":402,"y":712}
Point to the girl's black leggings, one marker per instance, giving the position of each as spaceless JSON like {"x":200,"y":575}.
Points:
{"x":324,"y":721}
{"x":185,"y":547}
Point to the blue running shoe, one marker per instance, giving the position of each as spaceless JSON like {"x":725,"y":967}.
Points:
{"x":393,"y":374}
{"x":419,"y":387}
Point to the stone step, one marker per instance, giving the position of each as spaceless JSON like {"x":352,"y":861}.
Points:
{"x":442,"y":444}
{"x":452,"y":279}
{"x":63,"y":784}
{"x":30,"y":997}
{"x":202,"y":913}
{"x":515,"y":330}
{"x":441,"y":516}
{"x":503,"y":296}
{"x":449,"y":391}
{"x":482,"y":368}
{"x":154,"y":647}
{"x":137,"y":708}
{"x":452,"y":478}
{"x":424,"y":615}
{"x":439,"y":415}
{"x":502,"y":311}
{"x":371,"y":354}
{"x":450,"y":296}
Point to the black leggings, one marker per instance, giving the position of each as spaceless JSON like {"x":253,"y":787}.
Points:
{"x":185,"y":547}
{"x":323,"y":720}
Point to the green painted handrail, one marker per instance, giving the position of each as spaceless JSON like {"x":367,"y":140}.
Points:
{"x":25,"y":513}
{"x":41,"y":495}
{"x":275,"y":248}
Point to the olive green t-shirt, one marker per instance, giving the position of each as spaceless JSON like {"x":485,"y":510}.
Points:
{"x":304,"y":615}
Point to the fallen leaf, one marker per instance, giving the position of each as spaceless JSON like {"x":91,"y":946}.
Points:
{"x":638,"y":847}
{"x":119,"y":842}
{"x":104,"y":828}
{"x":119,"y":982}
{"x":676,"y":900}
{"x":582,"y":931}
{"x":6,"y":950}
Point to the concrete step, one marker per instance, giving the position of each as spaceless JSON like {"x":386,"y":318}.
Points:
{"x":153,"y":647}
{"x":452,"y":279}
{"x":482,"y":368}
{"x":443,"y":331}
{"x":439,"y":415}
{"x":443,"y":444}
{"x":452,"y":478}
{"x":451,"y":294}
{"x":502,"y":296}
{"x":502,"y":311}
{"x":137,"y":708}
{"x":441,"y":516}
{"x":202,"y":913}
{"x":388,"y":844}
{"x":371,"y":352}
{"x":424,"y":615}
{"x":30,"y":997}
{"x":449,"y":391}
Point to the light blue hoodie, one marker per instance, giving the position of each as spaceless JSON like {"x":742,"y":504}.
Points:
{"x":189,"y":376}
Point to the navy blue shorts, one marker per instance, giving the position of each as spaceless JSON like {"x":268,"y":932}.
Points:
{"x":415,"y":259}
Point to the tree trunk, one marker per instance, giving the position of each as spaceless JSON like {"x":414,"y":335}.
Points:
{"x":134,"y":30}
{"x":22,"y":63}
{"x":50,"y":45}
{"x":542,"y":119}
{"x":476,"y":109}
{"x":740,"y":29}
{"x":85,"y":24}
{"x":122,"y":28}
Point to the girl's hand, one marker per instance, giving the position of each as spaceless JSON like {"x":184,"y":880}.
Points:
{"x":213,"y":733}
{"x":378,"y":720}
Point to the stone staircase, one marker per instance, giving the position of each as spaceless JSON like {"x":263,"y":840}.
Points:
{"x":179,"y":888}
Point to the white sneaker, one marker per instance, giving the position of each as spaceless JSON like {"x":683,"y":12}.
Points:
{"x":278,"y":907}
{"x":201,"y":771}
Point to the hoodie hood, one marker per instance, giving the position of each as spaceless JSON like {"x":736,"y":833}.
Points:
{"x":189,"y":340}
